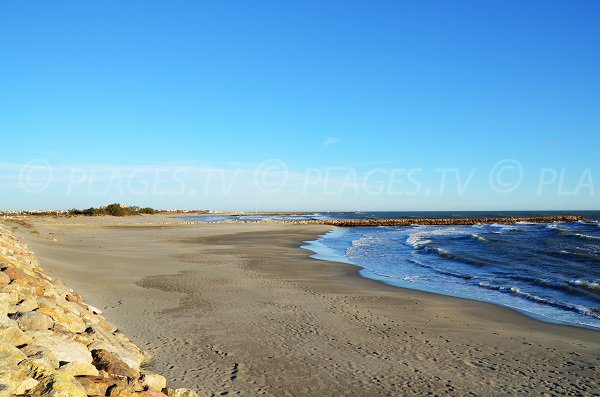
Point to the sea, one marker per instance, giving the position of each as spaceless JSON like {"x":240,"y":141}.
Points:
{"x":547,"y":271}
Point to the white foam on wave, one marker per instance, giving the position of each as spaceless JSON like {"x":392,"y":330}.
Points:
{"x":412,"y":279}
{"x":440,"y":251}
{"x":513,"y":290}
{"x":554,"y":226}
{"x":422,"y":235}
{"x":503,"y":228}
{"x":538,"y":299}
{"x":478,"y":237}
{"x":587,"y":236}
{"x":359,"y":246}
{"x":591,"y":285}
{"x":417,"y":241}
{"x":366,"y":241}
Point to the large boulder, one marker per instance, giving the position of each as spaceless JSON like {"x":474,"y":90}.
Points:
{"x":96,"y":385}
{"x":10,"y":374}
{"x":42,"y":353}
{"x":111,"y":363}
{"x":117,"y":344}
{"x":154,"y":381}
{"x":181,"y":392}
{"x":52,"y":383}
{"x":70,"y":321}
{"x":79,"y":369}
{"x":25,"y":386}
{"x":4,"y":279}
{"x":150,"y":393}
{"x":5,"y":301}
{"x":15,"y":274}
{"x":66,"y":350}
{"x":34,"y":321}
{"x":17,"y":293}
{"x":26,"y":305}
{"x":107,"y":386}
{"x":15,"y":336}
{"x":6,"y":322}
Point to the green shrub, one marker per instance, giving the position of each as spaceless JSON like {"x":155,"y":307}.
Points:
{"x":114,"y":209}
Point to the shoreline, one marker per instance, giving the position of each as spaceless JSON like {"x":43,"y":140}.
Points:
{"x":252,"y":304}
{"x":369,"y":275}
{"x":366,"y":273}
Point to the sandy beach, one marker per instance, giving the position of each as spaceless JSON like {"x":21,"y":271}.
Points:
{"x":241,"y":309}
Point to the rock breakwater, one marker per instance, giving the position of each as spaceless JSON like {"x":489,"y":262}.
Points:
{"x":54,"y":344}
{"x":436,"y":221}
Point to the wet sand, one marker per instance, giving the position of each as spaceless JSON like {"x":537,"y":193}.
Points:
{"x":239,"y":308}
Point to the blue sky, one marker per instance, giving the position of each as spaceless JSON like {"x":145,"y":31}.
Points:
{"x":300,"y":105}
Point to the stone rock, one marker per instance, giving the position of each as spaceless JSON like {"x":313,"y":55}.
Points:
{"x":94,"y":310}
{"x":10,"y":353}
{"x":14,"y":274}
{"x":94,"y":385}
{"x":5,"y":301}
{"x":116,"y":343}
{"x":15,"y":336}
{"x":107,"y":385}
{"x":25,"y":386}
{"x":171,"y":392}
{"x":113,"y":364}
{"x":41,"y":353}
{"x":10,"y":375}
{"x":121,"y":390}
{"x":4,"y":279}
{"x":5,"y":260}
{"x":52,"y":383}
{"x":154,"y":381}
{"x":18,"y":292}
{"x":33,"y":321}
{"x":66,"y":350}
{"x":83,"y":338}
{"x":150,"y":393}
{"x":6,"y":322}
{"x":129,"y":354}
{"x":79,"y":369}
{"x":27,"y":305}
{"x":75,"y":308}
{"x":72,"y":297}
{"x":44,"y":287}
{"x":71,"y":321}
{"x":61,"y":329}
{"x":106,"y":325}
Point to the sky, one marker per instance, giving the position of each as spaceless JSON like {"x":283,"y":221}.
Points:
{"x":313,"y":105}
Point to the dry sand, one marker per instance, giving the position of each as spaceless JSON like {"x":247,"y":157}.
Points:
{"x":239,"y":308}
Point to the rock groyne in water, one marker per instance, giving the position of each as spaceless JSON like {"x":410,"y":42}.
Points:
{"x":436,"y":221}
{"x":54,"y":344}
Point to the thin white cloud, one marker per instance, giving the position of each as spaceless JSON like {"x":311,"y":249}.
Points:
{"x":330,"y":141}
